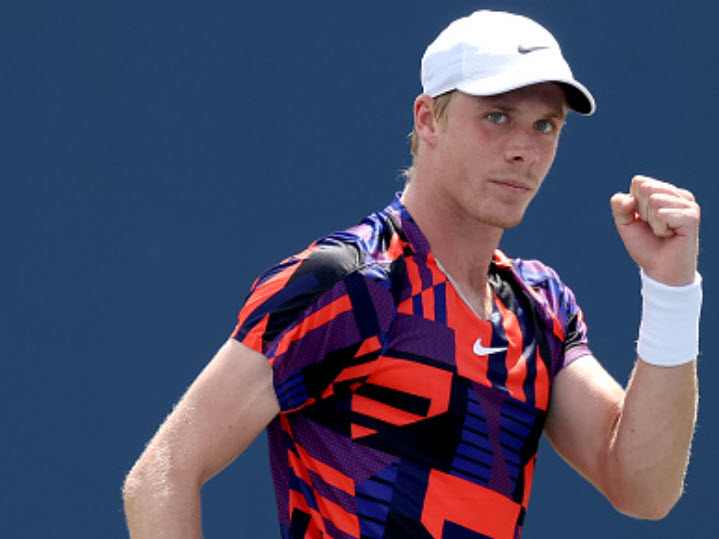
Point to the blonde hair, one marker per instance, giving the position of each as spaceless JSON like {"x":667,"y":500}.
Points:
{"x":439,"y":106}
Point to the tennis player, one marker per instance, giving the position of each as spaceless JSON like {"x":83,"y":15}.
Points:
{"x":405,"y":368}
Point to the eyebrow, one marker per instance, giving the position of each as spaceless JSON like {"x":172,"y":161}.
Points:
{"x":560,"y":114}
{"x":497,"y":103}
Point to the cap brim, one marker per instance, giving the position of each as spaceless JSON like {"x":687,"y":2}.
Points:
{"x":578,"y":97}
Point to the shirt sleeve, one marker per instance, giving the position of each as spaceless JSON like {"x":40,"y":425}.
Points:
{"x":314,"y":316}
{"x":559,"y":308}
{"x":576,"y":342}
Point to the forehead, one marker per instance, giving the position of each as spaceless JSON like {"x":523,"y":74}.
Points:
{"x":545,"y":95}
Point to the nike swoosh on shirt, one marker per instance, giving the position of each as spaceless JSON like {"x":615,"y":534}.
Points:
{"x":521,"y":49}
{"x":482,"y":351}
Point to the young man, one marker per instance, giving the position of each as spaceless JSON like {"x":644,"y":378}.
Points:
{"x":406,"y":368}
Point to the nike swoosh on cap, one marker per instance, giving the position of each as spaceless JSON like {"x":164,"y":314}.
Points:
{"x":522,"y":49}
{"x":482,"y":351}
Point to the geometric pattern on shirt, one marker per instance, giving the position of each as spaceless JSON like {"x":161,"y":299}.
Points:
{"x":391,"y":426}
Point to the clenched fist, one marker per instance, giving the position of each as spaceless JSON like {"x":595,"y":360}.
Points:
{"x":659,"y":225}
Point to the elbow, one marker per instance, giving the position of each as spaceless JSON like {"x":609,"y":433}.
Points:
{"x":132,"y":498}
{"x":642,"y":487}
{"x":135,"y":487}
{"x":645,"y":512}
{"x":158,"y":477}
{"x":649,"y":505}
{"x":149,"y":479}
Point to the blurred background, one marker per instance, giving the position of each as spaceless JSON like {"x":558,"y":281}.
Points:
{"x":155,"y":157}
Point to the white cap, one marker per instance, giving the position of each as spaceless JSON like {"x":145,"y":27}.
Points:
{"x":492,"y":52}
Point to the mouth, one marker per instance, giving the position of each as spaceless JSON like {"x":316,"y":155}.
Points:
{"x":514,"y":186}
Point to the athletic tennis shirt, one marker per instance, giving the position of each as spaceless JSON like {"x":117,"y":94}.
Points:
{"x":403,"y":414}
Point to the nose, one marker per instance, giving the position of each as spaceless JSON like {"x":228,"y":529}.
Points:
{"x":522,"y":146}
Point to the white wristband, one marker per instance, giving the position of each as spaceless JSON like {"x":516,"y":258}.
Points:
{"x":669,"y":331}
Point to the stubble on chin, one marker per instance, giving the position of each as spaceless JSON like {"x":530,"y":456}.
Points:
{"x":497,"y":217}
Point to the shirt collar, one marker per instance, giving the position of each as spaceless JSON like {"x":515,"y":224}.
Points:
{"x":408,"y":227}
{"x":417,"y":241}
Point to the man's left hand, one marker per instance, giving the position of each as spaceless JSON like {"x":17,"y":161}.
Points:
{"x":659,"y":225}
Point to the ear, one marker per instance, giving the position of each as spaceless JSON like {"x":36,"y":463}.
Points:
{"x":425,"y":121}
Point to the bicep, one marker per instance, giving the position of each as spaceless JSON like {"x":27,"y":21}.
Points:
{"x":225,"y":408}
{"x":585,"y":406}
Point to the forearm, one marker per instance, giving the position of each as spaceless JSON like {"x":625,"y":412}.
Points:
{"x":651,"y":440}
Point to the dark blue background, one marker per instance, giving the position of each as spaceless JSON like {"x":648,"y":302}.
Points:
{"x":156,"y":156}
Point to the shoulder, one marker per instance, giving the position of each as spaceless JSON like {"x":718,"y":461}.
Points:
{"x":296,"y":283}
{"x":308,"y":274}
{"x":532,"y":274}
{"x":316,"y":287}
{"x":544,"y":281}
{"x":544,"y":285}
{"x":330,"y":258}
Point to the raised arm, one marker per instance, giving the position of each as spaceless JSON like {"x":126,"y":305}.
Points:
{"x":634,"y":445}
{"x":225,"y":408}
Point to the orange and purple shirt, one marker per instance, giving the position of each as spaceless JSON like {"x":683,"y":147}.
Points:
{"x":404,"y":414}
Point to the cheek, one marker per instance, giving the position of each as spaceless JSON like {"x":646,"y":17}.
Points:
{"x":548,"y":152}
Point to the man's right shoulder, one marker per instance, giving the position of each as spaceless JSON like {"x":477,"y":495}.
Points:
{"x":322,"y":264}
{"x":328,"y":269}
{"x":331,"y":258}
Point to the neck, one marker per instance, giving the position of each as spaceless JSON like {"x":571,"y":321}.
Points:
{"x":463,"y":246}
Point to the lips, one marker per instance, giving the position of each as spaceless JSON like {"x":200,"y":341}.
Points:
{"x":513,"y":185}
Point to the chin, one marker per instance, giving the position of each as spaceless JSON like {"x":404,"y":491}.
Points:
{"x":502,"y":221}
{"x":512,"y":224}
{"x":498,"y":213}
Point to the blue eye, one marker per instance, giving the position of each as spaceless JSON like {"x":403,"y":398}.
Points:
{"x":544,"y":126}
{"x":497,"y":117}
